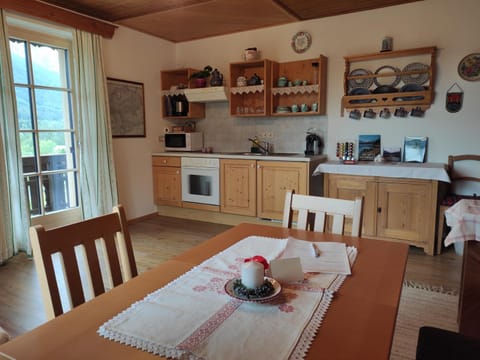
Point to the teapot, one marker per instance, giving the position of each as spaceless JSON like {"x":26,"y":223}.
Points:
{"x":254,"y":80}
{"x":216,"y":78}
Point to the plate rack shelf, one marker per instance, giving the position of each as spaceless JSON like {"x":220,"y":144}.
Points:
{"x":407,"y":100}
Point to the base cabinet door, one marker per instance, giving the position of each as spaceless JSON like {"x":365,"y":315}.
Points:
{"x":395,"y":209}
{"x":167,"y":181}
{"x":349,"y":187}
{"x":274,"y":178}
{"x":238,"y":192}
{"x":404,"y":211}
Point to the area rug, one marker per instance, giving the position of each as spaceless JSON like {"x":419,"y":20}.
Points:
{"x":421,"y":305}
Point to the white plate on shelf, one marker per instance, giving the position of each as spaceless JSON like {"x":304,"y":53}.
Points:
{"x":276,"y":286}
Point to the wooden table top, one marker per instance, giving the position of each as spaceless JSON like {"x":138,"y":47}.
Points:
{"x":358,"y":325}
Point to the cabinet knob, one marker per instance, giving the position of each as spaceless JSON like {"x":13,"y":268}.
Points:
{"x":164,"y":161}
{"x":178,"y":172}
{"x":379,"y":210}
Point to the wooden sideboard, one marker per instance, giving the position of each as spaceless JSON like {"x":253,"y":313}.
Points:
{"x":400,"y":200}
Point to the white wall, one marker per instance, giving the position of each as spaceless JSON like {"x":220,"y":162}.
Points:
{"x":134,"y":56}
{"x":451,"y":25}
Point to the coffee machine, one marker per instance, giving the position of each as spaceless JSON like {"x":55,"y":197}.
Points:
{"x":314,"y":143}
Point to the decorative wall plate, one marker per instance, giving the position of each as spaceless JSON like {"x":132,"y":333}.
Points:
{"x":469,"y":67}
{"x":362,"y":82}
{"x":419,"y":78}
{"x":387,"y":80}
{"x":301,"y":42}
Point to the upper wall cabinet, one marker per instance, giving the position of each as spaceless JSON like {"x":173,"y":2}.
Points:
{"x":250,"y":88}
{"x":400,"y":81}
{"x":299,"y":87}
{"x":175,"y":103}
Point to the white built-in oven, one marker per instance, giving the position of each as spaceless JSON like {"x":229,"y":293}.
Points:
{"x":201,"y":180}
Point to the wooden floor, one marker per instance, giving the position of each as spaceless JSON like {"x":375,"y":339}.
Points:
{"x":158,"y":239}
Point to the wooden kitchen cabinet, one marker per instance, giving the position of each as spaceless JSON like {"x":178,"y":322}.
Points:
{"x":167,"y":180}
{"x":173,"y":82}
{"x":314,"y":71}
{"x":253,"y":100}
{"x":238,"y":188}
{"x":274,"y":178}
{"x":395,"y":209}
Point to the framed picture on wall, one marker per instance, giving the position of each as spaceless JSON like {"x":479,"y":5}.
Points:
{"x":127,"y":108}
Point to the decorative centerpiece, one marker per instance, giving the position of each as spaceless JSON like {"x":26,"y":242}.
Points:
{"x":253,"y":285}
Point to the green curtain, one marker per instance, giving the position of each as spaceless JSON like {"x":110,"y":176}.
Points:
{"x":14,"y":216}
{"x":97,"y":172}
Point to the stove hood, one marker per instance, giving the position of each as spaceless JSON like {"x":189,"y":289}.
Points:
{"x":207,"y":94}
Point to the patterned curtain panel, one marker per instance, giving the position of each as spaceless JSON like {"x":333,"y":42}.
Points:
{"x":97,"y":172}
{"x":14,"y":217}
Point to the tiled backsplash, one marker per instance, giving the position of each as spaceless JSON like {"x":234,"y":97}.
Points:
{"x":225,"y":133}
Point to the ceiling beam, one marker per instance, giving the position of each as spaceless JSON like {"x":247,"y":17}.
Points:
{"x":59,"y":15}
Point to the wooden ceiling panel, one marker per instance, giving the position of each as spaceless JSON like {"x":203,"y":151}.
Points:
{"x":313,"y":9}
{"x":183,"y":20}
{"x":205,"y":20}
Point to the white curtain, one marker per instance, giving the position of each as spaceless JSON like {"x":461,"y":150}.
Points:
{"x":97,"y":172}
{"x":14,"y":216}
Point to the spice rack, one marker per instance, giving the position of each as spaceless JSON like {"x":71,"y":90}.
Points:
{"x":314,"y":72}
{"x":406,"y":100}
{"x":174,"y":83}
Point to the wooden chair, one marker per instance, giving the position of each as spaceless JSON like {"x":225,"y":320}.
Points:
{"x":4,"y":336}
{"x":314,"y":210}
{"x":80,"y":261}
{"x":463,"y":170}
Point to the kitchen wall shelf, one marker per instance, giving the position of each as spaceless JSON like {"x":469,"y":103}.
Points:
{"x":254,"y":100}
{"x":407,"y":100}
{"x":171,"y":80}
{"x":314,"y":72}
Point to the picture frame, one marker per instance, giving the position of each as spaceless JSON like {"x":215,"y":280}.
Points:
{"x":415,"y":149}
{"x":368,"y":147}
{"x":392,"y":154}
{"x":127,"y":108}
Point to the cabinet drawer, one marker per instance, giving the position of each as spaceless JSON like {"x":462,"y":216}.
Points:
{"x":166,"y":161}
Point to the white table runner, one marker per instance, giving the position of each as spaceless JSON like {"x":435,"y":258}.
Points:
{"x":193,"y":318}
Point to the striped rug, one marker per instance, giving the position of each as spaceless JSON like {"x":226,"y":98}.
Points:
{"x":421,"y":305}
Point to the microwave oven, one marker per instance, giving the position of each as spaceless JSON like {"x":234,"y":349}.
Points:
{"x":184,"y":141}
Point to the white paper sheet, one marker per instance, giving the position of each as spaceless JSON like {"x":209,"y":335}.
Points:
{"x":333,"y":257}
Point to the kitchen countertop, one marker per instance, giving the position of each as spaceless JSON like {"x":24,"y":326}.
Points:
{"x":281,"y":156}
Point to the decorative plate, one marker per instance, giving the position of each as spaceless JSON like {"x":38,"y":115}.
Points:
{"x":276,"y":285}
{"x":385,"y":89}
{"x":418,"y":79}
{"x":359,"y":91}
{"x":393,"y":80}
{"x":469,"y":67}
{"x":360,"y":83}
{"x":301,"y":42}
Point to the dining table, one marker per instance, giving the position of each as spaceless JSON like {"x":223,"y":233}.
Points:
{"x":359,"y":322}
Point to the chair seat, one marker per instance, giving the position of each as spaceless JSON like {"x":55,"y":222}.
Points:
{"x":451,"y":199}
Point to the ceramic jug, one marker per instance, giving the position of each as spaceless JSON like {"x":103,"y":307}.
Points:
{"x":216,"y":78}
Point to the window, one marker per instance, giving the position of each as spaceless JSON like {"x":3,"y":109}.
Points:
{"x":46,"y":128}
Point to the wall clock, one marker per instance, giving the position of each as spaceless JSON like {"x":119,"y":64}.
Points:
{"x":301,"y":42}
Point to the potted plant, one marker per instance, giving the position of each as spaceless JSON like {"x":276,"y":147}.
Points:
{"x":201,"y":76}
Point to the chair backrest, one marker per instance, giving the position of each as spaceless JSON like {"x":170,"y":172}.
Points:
{"x":313,"y":212}
{"x":79,"y":261}
{"x":464,"y":171}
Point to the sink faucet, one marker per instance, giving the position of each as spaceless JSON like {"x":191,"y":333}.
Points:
{"x":265,"y":148}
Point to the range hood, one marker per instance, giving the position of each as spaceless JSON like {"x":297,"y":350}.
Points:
{"x":207,"y":94}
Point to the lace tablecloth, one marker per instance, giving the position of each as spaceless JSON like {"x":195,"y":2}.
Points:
{"x":464,"y":219}
{"x":193,"y":318}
